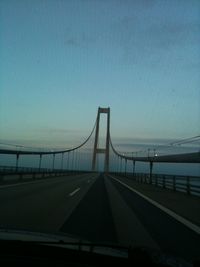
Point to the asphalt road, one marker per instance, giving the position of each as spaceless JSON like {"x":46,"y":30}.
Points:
{"x":43,"y":205}
{"x":92,"y":219}
{"x":95,"y":208}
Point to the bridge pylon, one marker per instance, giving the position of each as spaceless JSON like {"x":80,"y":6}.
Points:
{"x":105,"y":150}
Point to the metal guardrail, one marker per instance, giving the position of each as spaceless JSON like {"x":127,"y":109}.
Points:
{"x":21,"y":172}
{"x":14,"y":170}
{"x":186,"y":184}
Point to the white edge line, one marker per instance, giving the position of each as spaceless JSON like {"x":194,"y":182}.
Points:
{"x":179,"y":218}
{"x":74,"y":192}
{"x":23,"y":183}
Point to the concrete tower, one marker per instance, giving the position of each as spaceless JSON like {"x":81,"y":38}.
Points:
{"x":96,"y":148}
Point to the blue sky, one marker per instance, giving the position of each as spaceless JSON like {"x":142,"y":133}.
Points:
{"x":60,"y":60}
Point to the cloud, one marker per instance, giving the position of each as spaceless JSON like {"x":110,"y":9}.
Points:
{"x":77,"y":39}
{"x":148,"y":38}
{"x":167,"y":34}
{"x":140,"y":36}
{"x":71,"y":42}
{"x":135,"y":3}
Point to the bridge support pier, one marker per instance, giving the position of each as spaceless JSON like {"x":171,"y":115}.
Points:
{"x":151,"y":170}
{"x":125,"y":171}
{"x":40,"y":162}
{"x":62,"y":161}
{"x":17,"y":161}
{"x":133,"y":168}
{"x":53,"y":162}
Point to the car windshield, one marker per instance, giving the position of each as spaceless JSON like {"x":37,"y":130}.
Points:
{"x":99,"y":123}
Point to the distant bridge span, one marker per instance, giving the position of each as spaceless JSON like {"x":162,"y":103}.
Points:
{"x":173,"y":158}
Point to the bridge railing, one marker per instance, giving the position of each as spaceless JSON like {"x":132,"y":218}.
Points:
{"x":14,"y":170}
{"x":186,"y":184}
{"x":7,"y":170}
{"x":11,"y":173}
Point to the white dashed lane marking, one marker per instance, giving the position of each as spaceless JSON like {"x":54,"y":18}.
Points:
{"x":74,"y":192}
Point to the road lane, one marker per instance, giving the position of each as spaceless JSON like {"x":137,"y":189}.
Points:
{"x":171,"y":236}
{"x":129,"y":229}
{"x":92,"y":219}
{"x":41,"y":206}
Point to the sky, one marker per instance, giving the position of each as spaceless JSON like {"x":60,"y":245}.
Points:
{"x":61,"y":60}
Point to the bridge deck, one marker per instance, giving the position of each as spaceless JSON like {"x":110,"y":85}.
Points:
{"x":99,"y":208}
{"x":182,"y":204}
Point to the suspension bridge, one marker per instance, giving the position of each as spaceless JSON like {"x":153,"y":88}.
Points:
{"x":65,"y":192}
